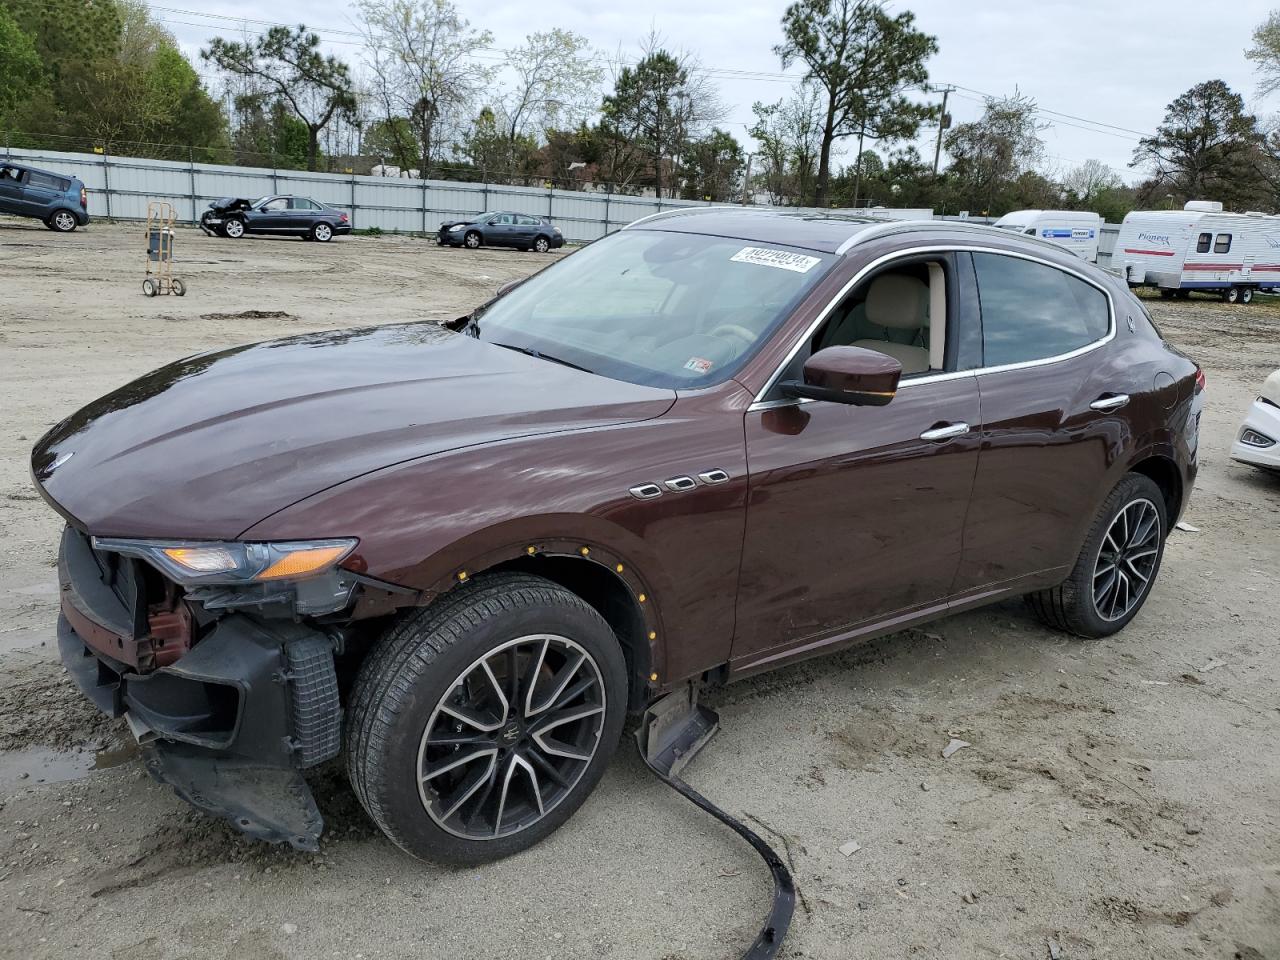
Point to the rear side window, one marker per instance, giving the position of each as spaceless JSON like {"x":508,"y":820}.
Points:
{"x":526,"y":221}
{"x":1222,"y":244}
{"x":1202,"y":244}
{"x":1032,"y":311}
{"x":38,"y":179}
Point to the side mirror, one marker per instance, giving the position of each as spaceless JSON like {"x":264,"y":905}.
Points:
{"x":865,"y":378}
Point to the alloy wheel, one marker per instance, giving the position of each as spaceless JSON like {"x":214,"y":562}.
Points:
{"x":234,"y":229}
{"x":323,"y":232}
{"x":1126,"y":559}
{"x":511,"y":737}
{"x":541,"y":245}
{"x":64,"y":221}
{"x":472,"y":240}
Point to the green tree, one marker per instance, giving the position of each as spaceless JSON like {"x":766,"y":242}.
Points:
{"x":789,"y":133}
{"x":21,"y":70}
{"x":422,"y":57}
{"x":288,"y":64}
{"x":864,"y":60}
{"x":68,"y":32}
{"x":1207,"y":147}
{"x":1265,"y":53}
{"x":990,"y":153}
{"x":657,"y":107}
{"x":556,"y":81}
{"x":713,"y":167}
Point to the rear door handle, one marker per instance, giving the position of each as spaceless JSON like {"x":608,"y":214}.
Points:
{"x":946,"y":432}
{"x":1112,"y":401}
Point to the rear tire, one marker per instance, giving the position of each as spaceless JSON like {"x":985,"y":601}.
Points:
{"x":149,"y":288}
{"x":455,"y":660}
{"x":1231,"y":294}
{"x":178,"y":287}
{"x":322,"y":233}
{"x":62,"y":221}
{"x":1246,"y":295}
{"x":1082,"y":604}
{"x":541,"y":245}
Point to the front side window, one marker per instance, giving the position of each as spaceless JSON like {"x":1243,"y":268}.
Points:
{"x":1222,"y":244}
{"x":1202,"y":243}
{"x":656,"y":308}
{"x":1032,"y":311}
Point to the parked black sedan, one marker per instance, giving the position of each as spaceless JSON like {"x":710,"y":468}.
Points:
{"x":503,"y":229}
{"x":281,"y":215}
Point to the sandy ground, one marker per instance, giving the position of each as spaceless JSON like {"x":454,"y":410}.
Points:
{"x":1120,"y":798}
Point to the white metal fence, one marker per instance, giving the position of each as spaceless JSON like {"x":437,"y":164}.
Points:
{"x":119,"y":187}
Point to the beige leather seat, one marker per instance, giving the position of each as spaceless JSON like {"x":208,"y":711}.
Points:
{"x":902,"y":303}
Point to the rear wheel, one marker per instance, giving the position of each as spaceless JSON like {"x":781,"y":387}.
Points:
{"x":63,"y":221}
{"x":1116,"y":567}
{"x":178,"y":287}
{"x":149,"y":288}
{"x":1246,"y":294}
{"x":1231,"y":295}
{"x":479,"y":724}
{"x":322,"y":232}
{"x":542,"y":244}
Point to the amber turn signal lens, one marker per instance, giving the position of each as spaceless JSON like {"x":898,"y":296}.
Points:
{"x":300,"y":563}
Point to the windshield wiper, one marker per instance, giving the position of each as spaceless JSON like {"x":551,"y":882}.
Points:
{"x":530,"y":352}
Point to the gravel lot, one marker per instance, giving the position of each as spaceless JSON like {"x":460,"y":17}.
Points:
{"x":1121,"y":798}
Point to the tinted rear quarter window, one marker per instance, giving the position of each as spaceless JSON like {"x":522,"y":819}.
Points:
{"x":38,"y":179}
{"x":1032,"y":311}
{"x":1202,"y":244}
{"x":1222,"y":244}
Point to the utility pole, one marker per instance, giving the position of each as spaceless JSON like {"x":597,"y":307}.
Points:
{"x":944,"y":122}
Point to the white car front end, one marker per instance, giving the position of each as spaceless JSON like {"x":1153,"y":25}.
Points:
{"x":1258,"y":440}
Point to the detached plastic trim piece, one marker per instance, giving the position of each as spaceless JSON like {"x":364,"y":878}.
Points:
{"x":769,"y":940}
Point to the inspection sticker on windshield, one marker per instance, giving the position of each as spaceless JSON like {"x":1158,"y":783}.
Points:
{"x":795,"y":262}
{"x":698,"y":365}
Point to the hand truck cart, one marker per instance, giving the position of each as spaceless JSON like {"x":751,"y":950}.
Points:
{"x":160,"y":278}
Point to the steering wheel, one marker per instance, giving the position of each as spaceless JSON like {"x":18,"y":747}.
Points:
{"x":738,"y":331}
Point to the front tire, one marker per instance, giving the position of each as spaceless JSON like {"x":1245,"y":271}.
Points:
{"x":1117,"y":565}
{"x":233,"y":228}
{"x":472,"y":240}
{"x":478,"y":725}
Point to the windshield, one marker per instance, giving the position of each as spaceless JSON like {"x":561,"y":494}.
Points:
{"x":655,"y":308}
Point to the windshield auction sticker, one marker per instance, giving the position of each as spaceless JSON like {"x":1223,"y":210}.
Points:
{"x":796,"y":262}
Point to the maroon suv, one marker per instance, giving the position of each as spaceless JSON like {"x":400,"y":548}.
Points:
{"x":705,"y":446}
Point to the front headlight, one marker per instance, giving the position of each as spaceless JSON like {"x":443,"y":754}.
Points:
{"x":456,"y":227}
{"x":198,"y":562}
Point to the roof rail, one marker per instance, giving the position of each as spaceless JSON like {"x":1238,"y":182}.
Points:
{"x":891,"y":228}
{"x":676,"y":211}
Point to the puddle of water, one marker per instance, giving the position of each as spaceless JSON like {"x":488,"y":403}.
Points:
{"x":41,"y":765}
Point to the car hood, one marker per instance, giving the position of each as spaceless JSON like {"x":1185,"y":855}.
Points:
{"x":208,"y":446}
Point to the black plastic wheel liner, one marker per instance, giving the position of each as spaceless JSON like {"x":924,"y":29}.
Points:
{"x":769,"y":940}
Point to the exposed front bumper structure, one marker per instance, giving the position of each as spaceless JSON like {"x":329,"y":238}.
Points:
{"x":231,"y":722}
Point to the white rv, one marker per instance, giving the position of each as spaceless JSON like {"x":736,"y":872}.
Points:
{"x":1076,"y":230}
{"x":1199,"y":248}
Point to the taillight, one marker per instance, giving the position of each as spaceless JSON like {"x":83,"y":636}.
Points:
{"x":84,"y":199}
{"x":344,"y":218}
{"x":1199,"y":380}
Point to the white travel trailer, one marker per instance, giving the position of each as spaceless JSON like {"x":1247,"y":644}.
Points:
{"x":1199,"y":248}
{"x":1076,"y":230}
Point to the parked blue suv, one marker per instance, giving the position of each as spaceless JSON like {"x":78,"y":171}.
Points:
{"x":60,"y":201}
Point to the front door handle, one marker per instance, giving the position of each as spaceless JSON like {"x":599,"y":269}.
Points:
{"x":946,"y":432}
{"x":1112,"y":401}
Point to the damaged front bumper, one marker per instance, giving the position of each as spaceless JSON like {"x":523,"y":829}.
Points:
{"x":231,"y":723}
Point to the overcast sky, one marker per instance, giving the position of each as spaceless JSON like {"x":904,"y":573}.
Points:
{"x":1112,"y":62}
